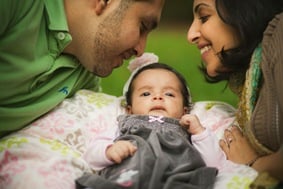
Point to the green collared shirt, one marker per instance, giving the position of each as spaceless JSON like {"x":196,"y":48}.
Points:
{"x":34,"y":74}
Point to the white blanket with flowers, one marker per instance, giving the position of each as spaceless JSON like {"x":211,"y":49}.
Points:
{"x":48,"y":153}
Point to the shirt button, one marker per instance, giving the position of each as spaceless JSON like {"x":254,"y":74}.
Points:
{"x":60,"y":35}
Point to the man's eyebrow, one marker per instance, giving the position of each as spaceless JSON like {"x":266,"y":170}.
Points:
{"x":196,"y":9}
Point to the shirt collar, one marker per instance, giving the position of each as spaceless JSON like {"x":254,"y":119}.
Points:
{"x":55,"y":14}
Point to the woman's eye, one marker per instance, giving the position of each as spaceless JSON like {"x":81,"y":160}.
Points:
{"x":145,"y":94}
{"x":203,"y":19}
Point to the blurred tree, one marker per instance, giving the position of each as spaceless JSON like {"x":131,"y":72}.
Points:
{"x":177,"y":11}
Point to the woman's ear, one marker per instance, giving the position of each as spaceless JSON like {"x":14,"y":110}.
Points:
{"x":100,"y":6}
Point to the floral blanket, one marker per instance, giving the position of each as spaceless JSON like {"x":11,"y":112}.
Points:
{"x":48,"y":153}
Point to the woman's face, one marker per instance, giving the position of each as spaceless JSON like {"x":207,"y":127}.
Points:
{"x":211,"y":35}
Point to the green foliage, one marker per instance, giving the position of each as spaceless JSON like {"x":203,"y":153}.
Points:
{"x":170,"y":44}
{"x":178,"y":11}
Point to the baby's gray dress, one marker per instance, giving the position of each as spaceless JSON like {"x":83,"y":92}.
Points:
{"x":165,"y":159}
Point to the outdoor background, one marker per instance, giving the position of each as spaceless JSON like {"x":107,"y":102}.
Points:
{"x":169,"y":42}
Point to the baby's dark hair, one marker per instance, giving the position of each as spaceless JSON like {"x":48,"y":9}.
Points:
{"x":184,"y":87}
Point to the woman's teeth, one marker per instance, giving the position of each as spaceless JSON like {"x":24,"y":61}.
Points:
{"x":204,"y":49}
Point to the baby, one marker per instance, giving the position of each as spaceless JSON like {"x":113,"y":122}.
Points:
{"x":151,"y":146}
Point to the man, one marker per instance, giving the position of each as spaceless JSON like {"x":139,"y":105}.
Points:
{"x":49,"y":49}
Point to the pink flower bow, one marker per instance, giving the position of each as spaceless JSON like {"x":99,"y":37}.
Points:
{"x":146,"y":58}
{"x":155,"y":118}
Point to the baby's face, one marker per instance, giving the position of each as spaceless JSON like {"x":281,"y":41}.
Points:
{"x":157,"y":92}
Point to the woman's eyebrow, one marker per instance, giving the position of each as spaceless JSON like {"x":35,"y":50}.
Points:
{"x":196,"y":9}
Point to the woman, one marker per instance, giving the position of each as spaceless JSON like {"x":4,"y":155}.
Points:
{"x":241,"y":42}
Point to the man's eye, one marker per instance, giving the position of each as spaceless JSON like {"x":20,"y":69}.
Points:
{"x":143,"y":27}
{"x":145,"y":94}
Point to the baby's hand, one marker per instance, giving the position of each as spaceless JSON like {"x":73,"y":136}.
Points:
{"x":192,"y":124}
{"x":120,"y":150}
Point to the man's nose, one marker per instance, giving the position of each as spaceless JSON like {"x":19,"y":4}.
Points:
{"x":140,"y":47}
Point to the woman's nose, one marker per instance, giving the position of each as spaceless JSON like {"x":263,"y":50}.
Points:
{"x":193,"y":33}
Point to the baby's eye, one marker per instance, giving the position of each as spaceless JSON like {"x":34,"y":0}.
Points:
{"x":169,"y":94}
{"x":145,"y":94}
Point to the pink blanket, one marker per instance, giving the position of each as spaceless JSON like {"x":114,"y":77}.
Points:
{"x":48,"y":153}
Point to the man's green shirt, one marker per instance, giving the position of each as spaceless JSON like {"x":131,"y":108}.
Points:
{"x":34,"y":75}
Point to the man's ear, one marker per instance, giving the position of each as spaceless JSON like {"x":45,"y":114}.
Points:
{"x":100,"y":6}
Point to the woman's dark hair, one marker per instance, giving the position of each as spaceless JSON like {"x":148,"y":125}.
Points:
{"x":184,"y":87}
{"x":249,"y":18}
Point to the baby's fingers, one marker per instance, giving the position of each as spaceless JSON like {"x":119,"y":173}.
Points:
{"x":116,"y":157}
{"x":121,"y":150}
{"x":131,"y":148}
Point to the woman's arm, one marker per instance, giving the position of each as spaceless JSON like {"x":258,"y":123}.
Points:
{"x":273,"y":164}
{"x":240,"y":151}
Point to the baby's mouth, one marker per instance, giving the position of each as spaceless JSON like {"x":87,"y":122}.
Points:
{"x":157,"y":108}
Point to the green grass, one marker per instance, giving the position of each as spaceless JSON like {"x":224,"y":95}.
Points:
{"x":171,"y":45}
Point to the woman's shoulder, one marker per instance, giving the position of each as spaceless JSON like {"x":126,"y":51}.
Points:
{"x":274,"y":26}
{"x":273,"y":39}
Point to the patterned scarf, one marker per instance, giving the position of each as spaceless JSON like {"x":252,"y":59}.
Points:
{"x":248,"y":98}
